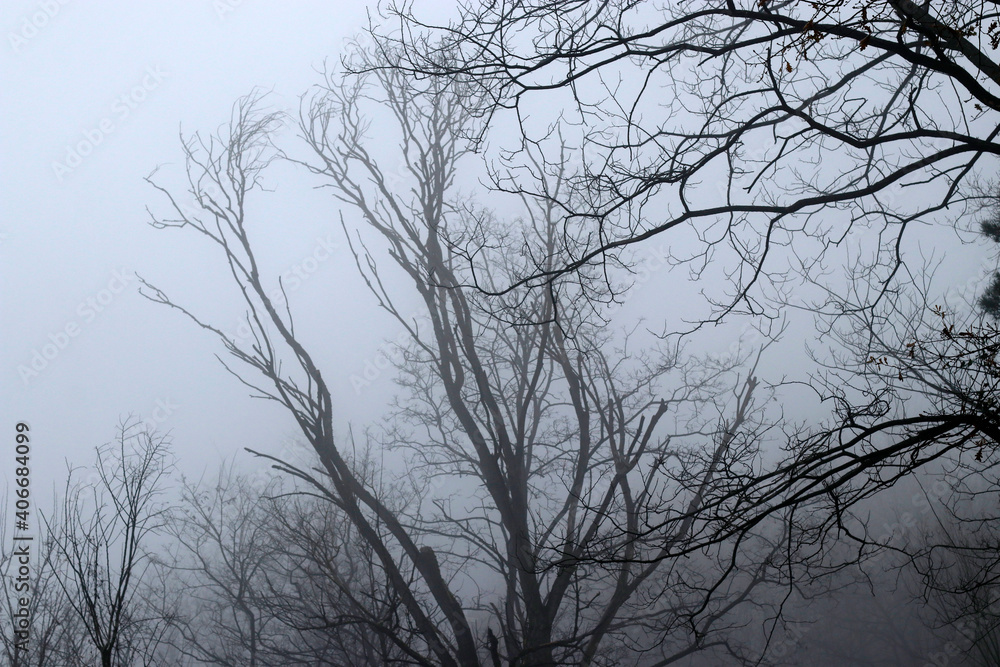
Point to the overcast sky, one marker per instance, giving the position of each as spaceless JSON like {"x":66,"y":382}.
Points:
{"x":94,"y":95}
{"x":93,"y":98}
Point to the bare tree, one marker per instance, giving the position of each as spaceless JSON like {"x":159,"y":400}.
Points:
{"x":55,"y":634}
{"x":956,"y":555}
{"x":270,"y":576}
{"x":760,"y":135}
{"x":922,"y":379}
{"x":329,"y":588}
{"x":100,"y":533}
{"x":219,"y":549}
{"x":539,"y":454}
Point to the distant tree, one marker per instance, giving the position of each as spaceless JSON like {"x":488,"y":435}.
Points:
{"x":55,"y":634}
{"x":218,"y":552}
{"x":956,"y":555}
{"x":100,"y":532}
{"x":869,"y":618}
{"x":989,"y":226}
{"x":269,"y":576}
{"x":329,"y":587}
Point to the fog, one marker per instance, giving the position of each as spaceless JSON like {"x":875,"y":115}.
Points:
{"x":130,"y":78}
{"x":97,"y":102}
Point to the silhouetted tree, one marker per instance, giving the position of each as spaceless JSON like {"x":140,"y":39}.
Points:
{"x":920,"y":378}
{"x":758,"y":135}
{"x":989,"y":226}
{"x":100,"y":532}
{"x":270,"y":576}
{"x":581,"y":480}
{"x":55,"y":635}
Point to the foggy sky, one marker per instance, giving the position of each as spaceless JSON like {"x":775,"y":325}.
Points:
{"x":118,"y":81}
{"x":127,"y":77}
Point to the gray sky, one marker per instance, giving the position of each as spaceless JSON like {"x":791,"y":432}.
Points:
{"x":116,"y":80}
{"x":93,"y":97}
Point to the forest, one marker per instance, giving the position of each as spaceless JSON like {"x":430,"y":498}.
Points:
{"x":676,"y":379}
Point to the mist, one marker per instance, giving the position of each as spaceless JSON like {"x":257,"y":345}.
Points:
{"x":452,"y":335}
